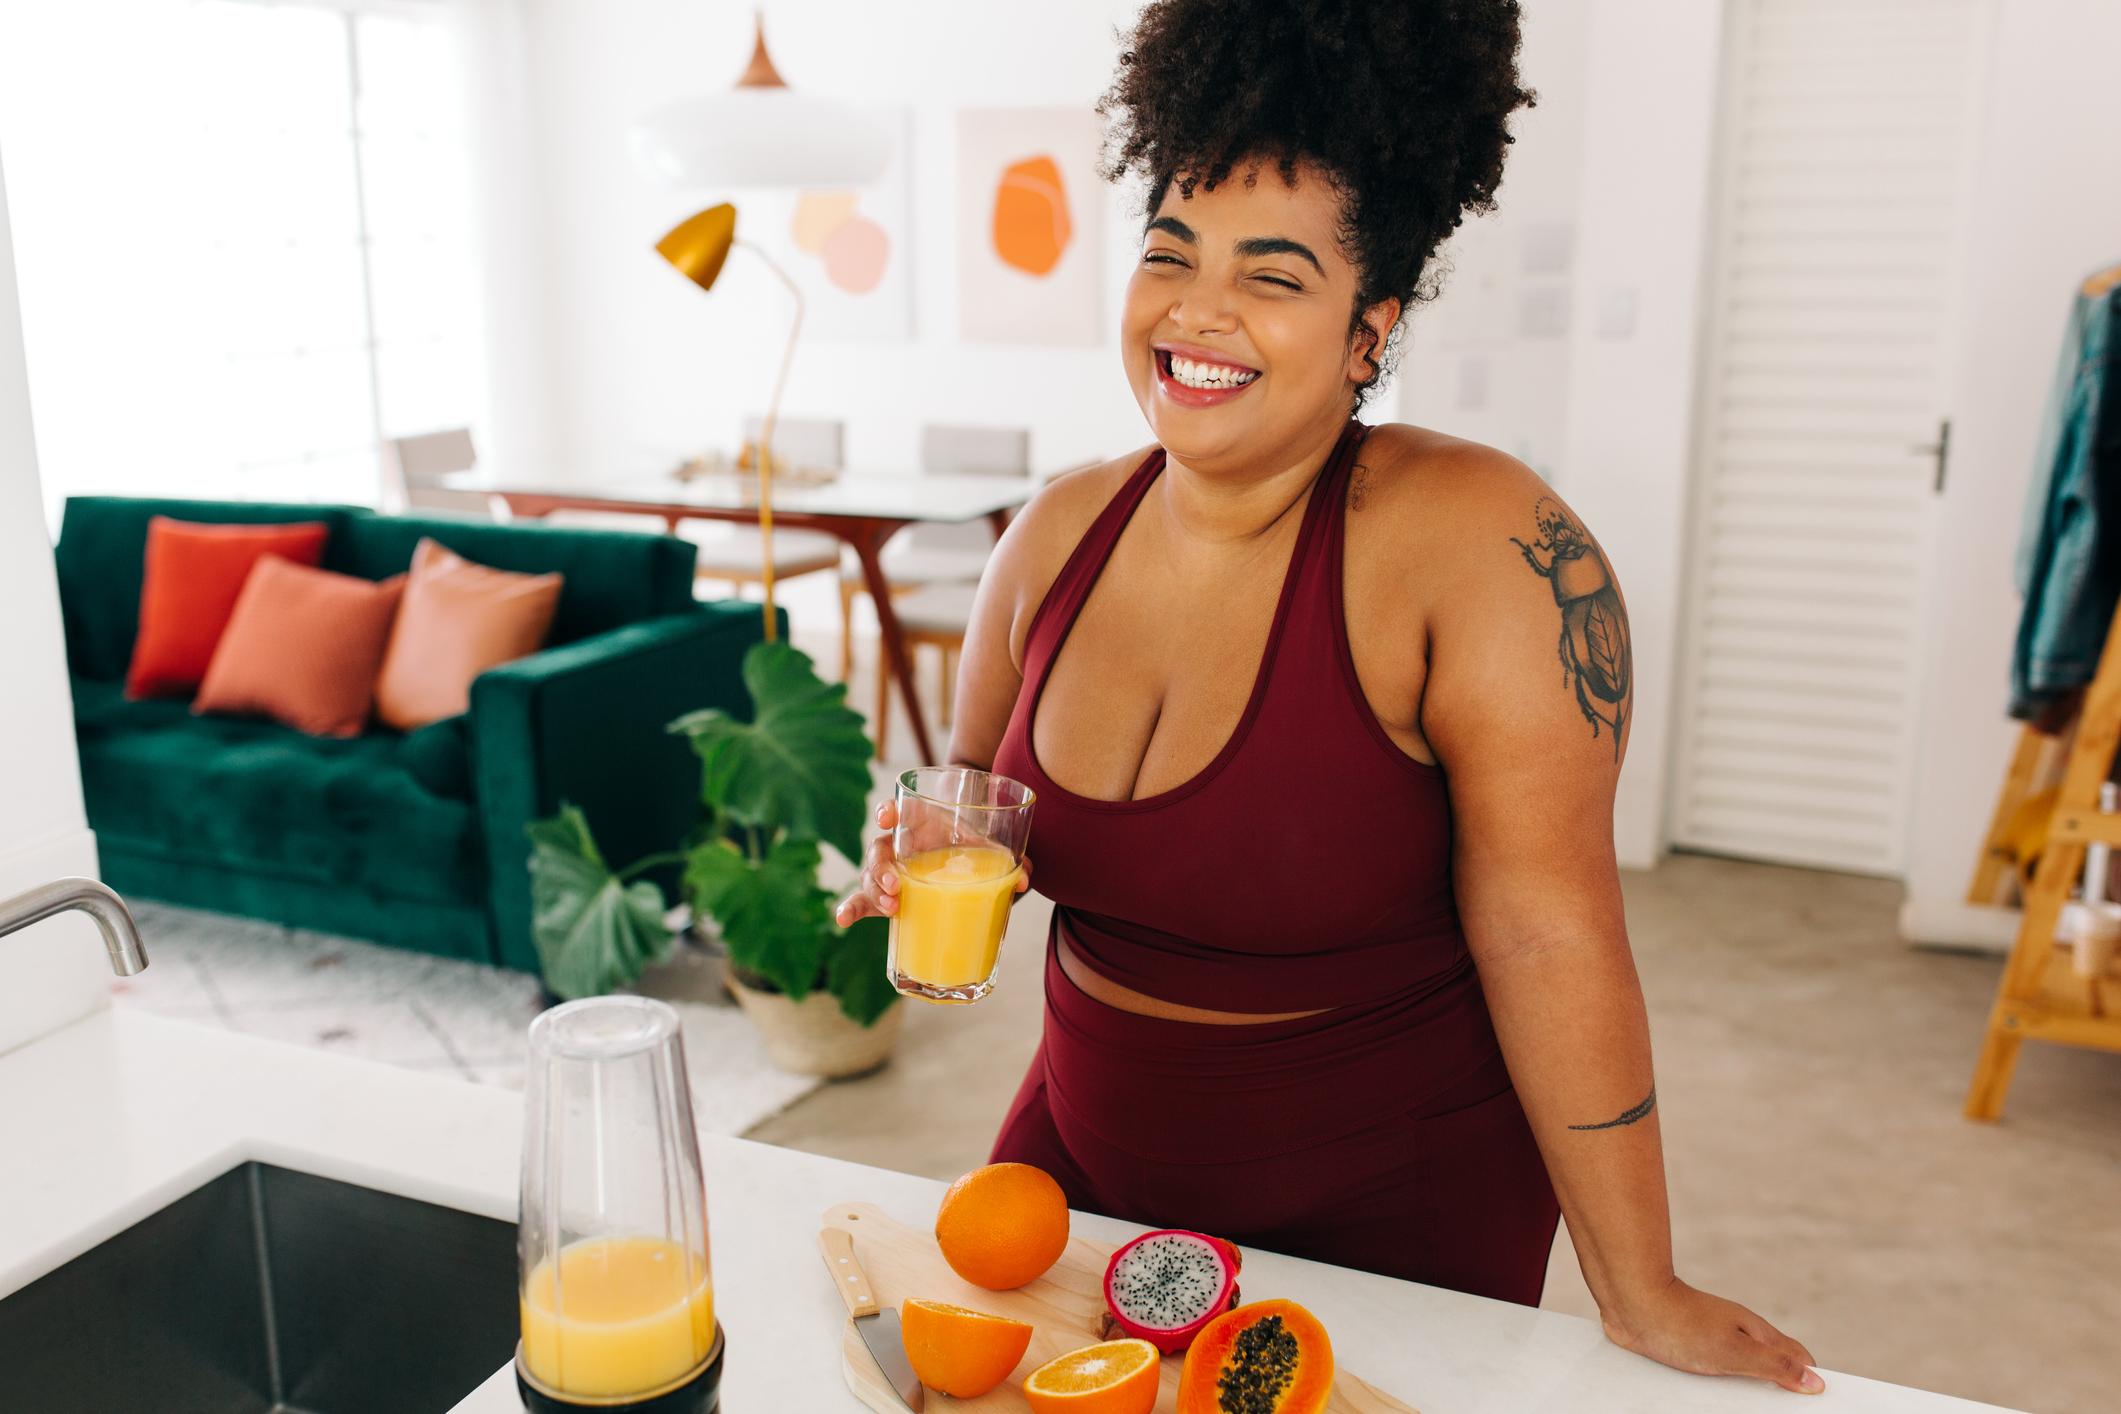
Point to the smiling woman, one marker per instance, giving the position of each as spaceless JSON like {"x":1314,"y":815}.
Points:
{"x":1338,"y":965}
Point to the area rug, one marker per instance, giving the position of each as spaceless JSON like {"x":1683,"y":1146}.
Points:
{"x":424,"y":1012}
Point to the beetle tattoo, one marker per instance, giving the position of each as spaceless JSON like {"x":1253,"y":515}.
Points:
{"x":1595,"y":654}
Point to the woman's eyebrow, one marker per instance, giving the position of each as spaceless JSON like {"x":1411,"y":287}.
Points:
{"x":1249,"y":247}
{"x":1278,"y":245}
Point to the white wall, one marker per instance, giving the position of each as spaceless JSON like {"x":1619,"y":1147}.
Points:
{"x":1614,"y":164}
{"x":54,"y":972}
{"x":520,"y":422}
{"x":1489,"y":359}
{"x":1649,"y":126}
{"x":2047,"y":211}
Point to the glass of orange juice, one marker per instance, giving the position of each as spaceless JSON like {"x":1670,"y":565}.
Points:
{"x":616,"y":1298}
{"x":960,"y":850}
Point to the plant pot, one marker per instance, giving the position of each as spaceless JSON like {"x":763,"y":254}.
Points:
{"x":813,"y":1036}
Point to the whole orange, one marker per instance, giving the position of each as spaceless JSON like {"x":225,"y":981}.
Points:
{"x":962,"y":1353}
{"x":1003,"y":1225}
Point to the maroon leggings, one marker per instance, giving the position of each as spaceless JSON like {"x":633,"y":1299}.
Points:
{"x":1316,"y":1137}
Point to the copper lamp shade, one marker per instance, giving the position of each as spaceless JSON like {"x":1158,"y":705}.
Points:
{"x":699,"y":244}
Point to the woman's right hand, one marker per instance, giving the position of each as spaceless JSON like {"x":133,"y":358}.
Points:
{"x":877,"y":893}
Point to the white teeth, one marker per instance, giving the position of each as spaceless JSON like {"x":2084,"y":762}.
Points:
{"x":1208,"y":375}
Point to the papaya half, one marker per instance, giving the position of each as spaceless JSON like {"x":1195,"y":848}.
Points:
{"x":1271,"y":1357}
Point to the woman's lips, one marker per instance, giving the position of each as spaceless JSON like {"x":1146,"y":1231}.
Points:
{"x":1184,"y":396}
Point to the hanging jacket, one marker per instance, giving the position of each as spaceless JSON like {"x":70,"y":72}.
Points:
{"x":2068,"y":563}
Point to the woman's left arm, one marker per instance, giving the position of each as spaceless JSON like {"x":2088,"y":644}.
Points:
{"x":1527,"y":703}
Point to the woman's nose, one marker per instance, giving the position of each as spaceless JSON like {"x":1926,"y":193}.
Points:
{"x":1202,"y":310}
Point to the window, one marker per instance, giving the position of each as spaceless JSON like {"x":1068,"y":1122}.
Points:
{"x":243,"y":239}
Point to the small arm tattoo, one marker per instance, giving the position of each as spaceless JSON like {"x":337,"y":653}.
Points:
{"x":1360,"y":489}
{"x":1627,"y":1116}
{"x":1595,"y":648}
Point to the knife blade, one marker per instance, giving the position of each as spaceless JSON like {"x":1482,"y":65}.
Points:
{"x":878,"y":1328}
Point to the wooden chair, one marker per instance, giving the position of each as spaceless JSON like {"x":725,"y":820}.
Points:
{"x":735,"y":554}
{"x":932,"y":616}
{"x":414,"y":468}
{"x":940,"y":554}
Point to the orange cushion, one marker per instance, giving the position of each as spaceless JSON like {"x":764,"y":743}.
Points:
{"x":302,"y":648}
{"x":189,"y":583}
{"x":458,"y":620}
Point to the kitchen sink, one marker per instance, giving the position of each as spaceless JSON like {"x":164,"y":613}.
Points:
{"x":269,"y":1290}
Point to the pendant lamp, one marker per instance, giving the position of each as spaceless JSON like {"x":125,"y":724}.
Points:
{"x":761,"y":133}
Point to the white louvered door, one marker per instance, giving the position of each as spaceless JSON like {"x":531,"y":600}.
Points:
{"x":1844,"y":158}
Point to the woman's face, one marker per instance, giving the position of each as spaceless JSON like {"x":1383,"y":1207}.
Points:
{"x":1247,"y":289}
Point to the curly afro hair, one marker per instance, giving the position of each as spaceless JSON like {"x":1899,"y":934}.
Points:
{"x":1403,"y":103}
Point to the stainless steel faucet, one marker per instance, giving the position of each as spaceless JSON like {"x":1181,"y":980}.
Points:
{"x":120,"y":938}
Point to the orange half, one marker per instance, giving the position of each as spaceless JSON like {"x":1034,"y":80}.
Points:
{"x":962,"y":1353}
{"x":1112,"y":1377}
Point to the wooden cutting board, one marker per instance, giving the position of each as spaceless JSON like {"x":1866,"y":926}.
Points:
{"x":1065,"y":1309}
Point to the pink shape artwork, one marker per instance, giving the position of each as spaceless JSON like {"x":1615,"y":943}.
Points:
{"x":857,"y":254}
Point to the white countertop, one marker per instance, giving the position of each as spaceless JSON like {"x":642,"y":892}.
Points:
{"x":109,"y":1119}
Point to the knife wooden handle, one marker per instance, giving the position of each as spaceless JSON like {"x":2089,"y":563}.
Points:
{"x":838,"y":1246}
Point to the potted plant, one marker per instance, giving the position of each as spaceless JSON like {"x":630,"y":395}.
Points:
{"x":774,"y":789}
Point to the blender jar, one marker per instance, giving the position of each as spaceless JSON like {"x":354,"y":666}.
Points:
{"x":617,"y":1300}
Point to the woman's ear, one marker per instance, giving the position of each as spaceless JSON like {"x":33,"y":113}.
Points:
{"x":1376,"y":327}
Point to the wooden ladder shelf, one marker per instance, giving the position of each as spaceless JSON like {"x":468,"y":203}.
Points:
{"x":2040,"y":996}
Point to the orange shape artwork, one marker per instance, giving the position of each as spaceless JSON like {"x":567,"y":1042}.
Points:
{"x":1031,"y":229}
{"x":856,"y":255}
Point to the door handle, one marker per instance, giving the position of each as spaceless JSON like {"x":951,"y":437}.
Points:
{"x":1940,"y":451}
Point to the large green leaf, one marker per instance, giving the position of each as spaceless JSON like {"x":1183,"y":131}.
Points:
{"x":856,"y":972}
{"x":774,"y":919}
{"x":592,"y":931}
{"x":799,"y":766}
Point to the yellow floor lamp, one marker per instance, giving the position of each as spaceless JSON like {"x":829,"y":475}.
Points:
{"x":760,"y":133}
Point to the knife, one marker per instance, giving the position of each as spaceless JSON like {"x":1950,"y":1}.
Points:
{"x":879,"y":1329}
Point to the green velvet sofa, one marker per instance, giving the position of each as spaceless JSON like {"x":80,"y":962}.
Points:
{"x":411,"y":839}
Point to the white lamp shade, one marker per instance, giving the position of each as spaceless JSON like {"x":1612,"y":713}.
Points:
{"x":761,"y":137}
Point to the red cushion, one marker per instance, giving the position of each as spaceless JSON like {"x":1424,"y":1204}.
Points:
{"x":302,"y":648}
{"x":190,"y":580}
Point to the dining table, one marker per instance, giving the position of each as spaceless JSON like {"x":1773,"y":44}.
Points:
{"x":863,"y":510}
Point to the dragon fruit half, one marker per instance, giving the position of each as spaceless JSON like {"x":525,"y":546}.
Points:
{"x":1165,"y":1285}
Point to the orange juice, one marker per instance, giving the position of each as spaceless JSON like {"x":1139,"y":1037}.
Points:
{"x":632,"y":1314}
{"x":953,"y":904}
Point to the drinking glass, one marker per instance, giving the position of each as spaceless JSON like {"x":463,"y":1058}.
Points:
{"x":959,"y":847}
{"x":616,"y":1297}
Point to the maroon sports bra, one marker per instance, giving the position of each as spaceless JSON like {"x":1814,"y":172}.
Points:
{"x":1307,"y":866}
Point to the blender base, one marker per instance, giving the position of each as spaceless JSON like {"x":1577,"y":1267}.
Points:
{"x":700,"y":1394}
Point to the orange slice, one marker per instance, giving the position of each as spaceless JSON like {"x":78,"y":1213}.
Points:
{"x":962,"y":1353}
{"x":1114,"y":1377}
